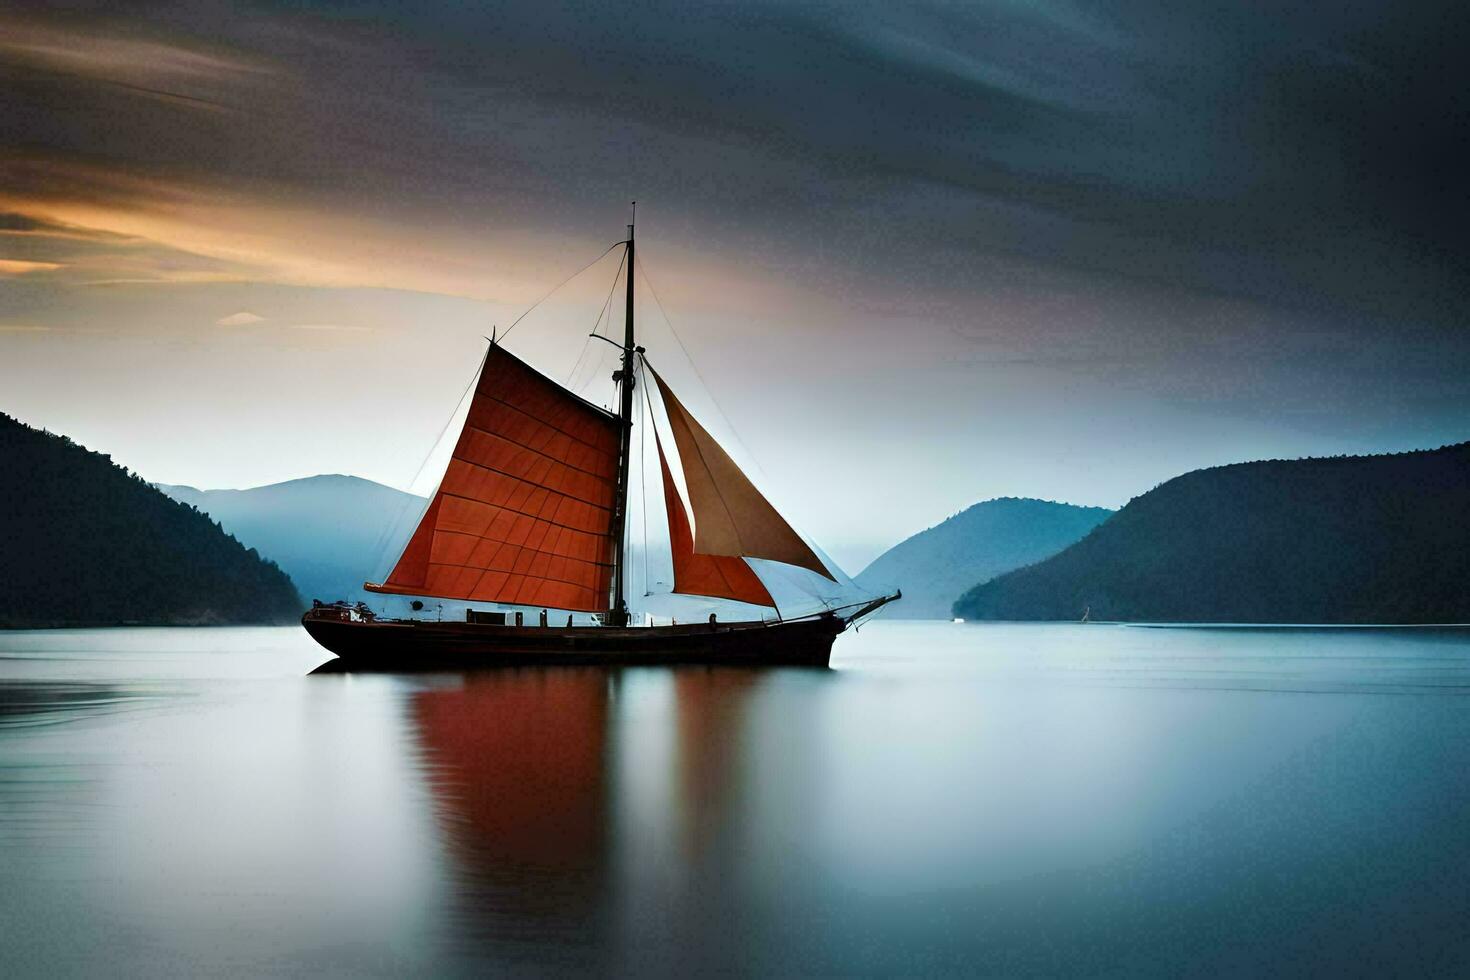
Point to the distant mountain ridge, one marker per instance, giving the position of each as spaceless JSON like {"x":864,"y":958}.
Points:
{"x":1354,"y":539}
{"x":937,"y":565}
{"x":329,"y":532}
{"x":83,"y":542}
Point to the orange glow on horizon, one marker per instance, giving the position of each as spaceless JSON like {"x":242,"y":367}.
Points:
{"x":236,"y":240}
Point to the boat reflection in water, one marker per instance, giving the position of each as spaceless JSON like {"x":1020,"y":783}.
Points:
{"x":517,"y":764}
{"x":570,"y":820}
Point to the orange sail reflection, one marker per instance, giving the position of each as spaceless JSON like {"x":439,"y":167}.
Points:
{"x":560,"y":833}
{"x":520,"y":781}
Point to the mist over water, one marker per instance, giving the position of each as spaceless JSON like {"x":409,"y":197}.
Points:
{"x":1001,"y":799}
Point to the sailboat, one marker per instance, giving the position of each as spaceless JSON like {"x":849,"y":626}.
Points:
{"x":533,"y":512}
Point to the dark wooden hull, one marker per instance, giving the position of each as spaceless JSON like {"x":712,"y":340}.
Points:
{"x":419,"y":645}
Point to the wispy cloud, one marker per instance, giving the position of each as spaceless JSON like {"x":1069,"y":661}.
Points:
{"x":22,"y":267}
{"x":77,"y":252}
{"x":241,"y":319}
{"x":188,"y":73}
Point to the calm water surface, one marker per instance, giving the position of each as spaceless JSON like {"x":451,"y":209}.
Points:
{"x":1004,"y":799}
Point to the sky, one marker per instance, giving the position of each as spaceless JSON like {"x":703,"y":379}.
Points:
{"x":906,"y":256}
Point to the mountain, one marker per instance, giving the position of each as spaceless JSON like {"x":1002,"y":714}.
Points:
{"x":329,"y":532}
{"x":83,"y":542}
{"x":935,"y":566}
{"x":1353,"y":539}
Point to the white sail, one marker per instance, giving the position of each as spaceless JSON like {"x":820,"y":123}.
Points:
{"x":794,"y":590}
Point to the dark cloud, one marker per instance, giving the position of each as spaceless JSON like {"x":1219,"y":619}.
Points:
{"x":1299,"y":156}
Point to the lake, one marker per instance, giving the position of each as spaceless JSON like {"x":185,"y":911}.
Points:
{"x":982,"y":799}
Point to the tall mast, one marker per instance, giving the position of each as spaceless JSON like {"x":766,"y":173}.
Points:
{"x":618,"y":614}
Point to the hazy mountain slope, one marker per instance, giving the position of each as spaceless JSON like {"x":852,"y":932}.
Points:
{"x":85,"y":543}
{"x":1355,"y":539}
{"x":936,"y":566}
{"x":329,"y":532}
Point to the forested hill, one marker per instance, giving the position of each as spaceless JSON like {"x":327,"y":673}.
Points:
{"x":85,"y":543}
{"x":1356,"y":539}
{"x":935,"y":566}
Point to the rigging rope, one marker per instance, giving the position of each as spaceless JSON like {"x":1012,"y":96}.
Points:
{"x":556,"y":287}
{"x":750,"y":458}
{"x":390,"y":530}
{"x":745,"y":451}
{"x":596,"y":326}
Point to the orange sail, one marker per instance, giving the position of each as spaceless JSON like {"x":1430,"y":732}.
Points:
{"x":717,"y":576}
{"x":524,"y":512}
{"x":731,"y":517}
